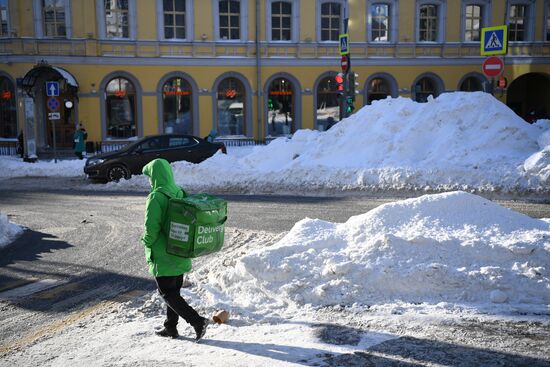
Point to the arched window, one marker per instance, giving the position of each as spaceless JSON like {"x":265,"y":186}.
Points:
{"x":231,"y":105}
{"x":379,"y":88}
{"x":120,"y":103}
{"x":328,"y":108}
{"x":280,"y":105}
{"x":471,"y":84}
{"x":176,"y":106}
{"x":8,"y":117}
{"x":424,"y":88}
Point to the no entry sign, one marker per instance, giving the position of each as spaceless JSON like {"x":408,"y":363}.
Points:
{"x":493,"y":66}
{"x":344,"y":63}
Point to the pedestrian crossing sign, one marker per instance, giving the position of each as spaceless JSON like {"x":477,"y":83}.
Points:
{"x":494,"y":40}
{"x":344,"y":44}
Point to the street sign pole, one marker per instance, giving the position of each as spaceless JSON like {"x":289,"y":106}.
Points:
{"x":54,"y":142}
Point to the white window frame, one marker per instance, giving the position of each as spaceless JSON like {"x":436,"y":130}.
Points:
{"x":343,"y":5}
{"x":295,"y":22}
{"x":189,"y":26}
{"x":132,"y":26}
{"x":530,"y":29}
{"x":39,"y":30}
{"x":441,"y":16}
{"x":243,"y":21}
{"x":486,"y":16}
{"x":8,"y":29}
{"x":546,"y":28}
{"x":394,"y":20}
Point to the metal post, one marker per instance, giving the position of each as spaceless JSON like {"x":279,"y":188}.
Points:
{"x":258,"y":71}
{"x":54,"y":142}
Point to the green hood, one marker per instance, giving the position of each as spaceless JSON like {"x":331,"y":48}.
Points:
{"x":162,"y":178}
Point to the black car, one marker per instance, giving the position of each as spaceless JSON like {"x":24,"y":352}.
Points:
{"x":131,"y":159}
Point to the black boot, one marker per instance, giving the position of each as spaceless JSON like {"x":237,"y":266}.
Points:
{"x":200,"y":328}
{"x":168,"y":333}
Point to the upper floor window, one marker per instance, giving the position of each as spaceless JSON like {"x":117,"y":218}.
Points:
{"x":117,"y":22}
{"x":54,"y":18}
{"x":174,"y":12}
{"x":281,"y":21}
{"x":380,"y":22}
{"x":473,"y":22}
{"x":230,"y":19}
{"x":331,"y":13}
{"x":428,"y":23}
{"x":520,"y":21}
{"x":4,"y":28}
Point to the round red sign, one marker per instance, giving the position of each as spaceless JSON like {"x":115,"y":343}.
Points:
{"x":493,"y":66}
{"x":345,"y":63}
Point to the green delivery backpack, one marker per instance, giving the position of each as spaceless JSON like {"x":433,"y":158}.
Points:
{"x":194,"y":225}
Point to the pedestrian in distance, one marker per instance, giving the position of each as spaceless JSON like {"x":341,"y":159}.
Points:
{"x":79,"y":143}
{"x":20,"y":144}
{"x":167,"y":269}
{"x":211,"y":136}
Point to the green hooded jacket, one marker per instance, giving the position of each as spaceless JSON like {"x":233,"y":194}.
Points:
{"x":79,"y":141}
{"x":154,"y":239}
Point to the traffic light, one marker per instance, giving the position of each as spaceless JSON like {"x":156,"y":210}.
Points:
{"x":352,"y":85}
{"x":270,"y":104}
{"x":349,"y":105}
{"x":340,"y":83}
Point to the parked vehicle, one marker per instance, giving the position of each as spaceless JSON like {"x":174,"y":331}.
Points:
{"x":130,"y":160}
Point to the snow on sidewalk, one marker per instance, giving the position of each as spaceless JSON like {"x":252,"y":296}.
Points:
{"x":8,"y":230}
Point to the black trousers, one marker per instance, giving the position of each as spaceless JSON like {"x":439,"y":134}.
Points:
{"x":169,"y":289}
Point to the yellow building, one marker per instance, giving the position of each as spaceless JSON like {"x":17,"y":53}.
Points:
{"x":249,"y":69}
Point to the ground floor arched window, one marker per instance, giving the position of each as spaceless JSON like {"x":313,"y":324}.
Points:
{"x":176,"y":106}
{"x":8,"y":116}
{"x":328,"y":107}
{"x":471,"y":84}
{"x":231,"y":106}
{"x":378,"y":88}
{"x":120,"y":103}
{"x":424,"y":88}
{"x":280,"y":105}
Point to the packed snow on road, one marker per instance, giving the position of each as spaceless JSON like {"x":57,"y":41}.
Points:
{"x":448,"y":256}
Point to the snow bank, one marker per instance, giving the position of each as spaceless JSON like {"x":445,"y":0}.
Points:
{"x":15,"y":167}
{"x":459,"y":140}
{"x":454,"y":247}
{"x":8,"y":231}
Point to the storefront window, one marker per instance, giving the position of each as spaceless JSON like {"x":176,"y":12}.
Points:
{"x":121,"y":108}
{"x":176,"y":106}
{"x":424,"y":88}
{"x":231,"y":107}
{"x":328,"y":108}
{"x":471,"y":84}
{"x":8,"y":119}
{"x":280,"y":105}
{"x":379,"y":88}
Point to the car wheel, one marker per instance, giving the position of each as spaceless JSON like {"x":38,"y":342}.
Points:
{"x":116,"y":173}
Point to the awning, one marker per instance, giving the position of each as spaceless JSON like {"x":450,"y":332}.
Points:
{"x":42,"y":70}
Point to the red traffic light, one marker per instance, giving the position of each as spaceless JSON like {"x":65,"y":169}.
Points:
{"x":339,"y":78}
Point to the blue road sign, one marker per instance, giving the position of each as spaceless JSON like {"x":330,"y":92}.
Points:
{"x":344,"y":44}
{"x":52,"y":89}
{"x":494,"y":40}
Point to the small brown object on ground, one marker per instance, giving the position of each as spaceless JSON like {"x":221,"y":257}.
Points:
{"x":220,"y":316}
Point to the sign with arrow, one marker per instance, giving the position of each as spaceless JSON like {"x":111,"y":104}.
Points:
{"x":52,"y":89}
{"x":494,"y":40}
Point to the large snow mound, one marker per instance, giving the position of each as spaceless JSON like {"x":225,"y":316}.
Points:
{"x":457,"y":141}
{"x":15,"y":167}
{"x":8,"y":231}
{"x":454,"y":247}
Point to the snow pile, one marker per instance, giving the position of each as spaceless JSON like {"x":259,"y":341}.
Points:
{"x":15,"y":167}
{"x":537,"y":166}
{"x":454,"y":247}
{"x":457,"y":141}
{"x":8,"y":231}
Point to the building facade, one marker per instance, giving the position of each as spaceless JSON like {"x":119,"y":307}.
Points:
{"x":249,"y":69}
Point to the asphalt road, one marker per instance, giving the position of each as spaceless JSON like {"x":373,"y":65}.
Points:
{"x":81,"y":247}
